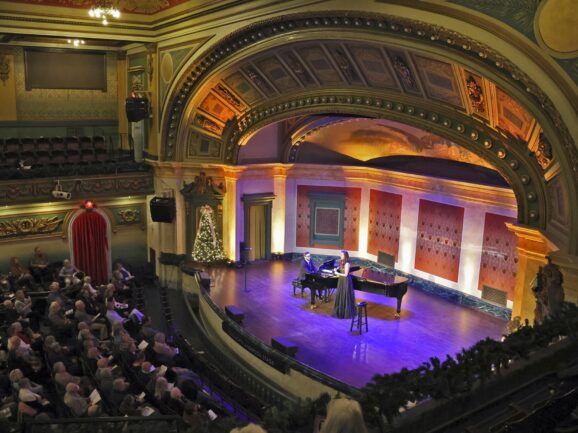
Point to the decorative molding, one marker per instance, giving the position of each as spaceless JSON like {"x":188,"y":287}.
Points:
{"x":40,"y":190}
{"x":422,"y":32}
{"x":30,"y":225}
{"x":127,"y":215}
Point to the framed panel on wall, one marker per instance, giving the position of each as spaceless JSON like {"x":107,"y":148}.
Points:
{"x":327,"y":218}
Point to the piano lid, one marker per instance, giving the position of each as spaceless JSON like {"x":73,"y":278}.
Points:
{"x":329,"y":264}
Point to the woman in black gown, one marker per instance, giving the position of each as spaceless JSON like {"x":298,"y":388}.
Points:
{"x":344,"y":306}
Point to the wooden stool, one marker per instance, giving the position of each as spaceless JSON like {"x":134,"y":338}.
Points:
{"x":360,"y":317}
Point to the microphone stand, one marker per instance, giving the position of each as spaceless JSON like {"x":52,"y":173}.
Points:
{"x":245,"y":265}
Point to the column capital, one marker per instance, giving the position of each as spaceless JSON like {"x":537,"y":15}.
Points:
{"x":532,"y":241}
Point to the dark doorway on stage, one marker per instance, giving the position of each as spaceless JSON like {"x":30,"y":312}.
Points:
{"x":257,"y":230}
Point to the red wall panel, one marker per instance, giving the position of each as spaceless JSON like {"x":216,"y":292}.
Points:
{"x":499,"y":255}
{"x":439,"y":239}
{"x":351,"y":216}
{"x":384,"y":222}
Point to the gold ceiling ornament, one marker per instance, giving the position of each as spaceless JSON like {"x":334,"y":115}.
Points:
{"x":103,"y":10}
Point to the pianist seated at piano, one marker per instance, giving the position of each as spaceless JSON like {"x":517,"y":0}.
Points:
{"x":308,"y":267}
{"x":344,"y":306}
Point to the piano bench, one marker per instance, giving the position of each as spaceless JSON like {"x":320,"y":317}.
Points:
{"x":235,"y":314}
{"x":284,"y":346}
{"x":297,"y":286}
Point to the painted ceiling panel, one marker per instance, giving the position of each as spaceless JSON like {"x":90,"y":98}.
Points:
{"x":243,"y":88}
{"x":439,"y":80}
{"x":319,"y":64}
{"x":276,"y":72}
{"x":289,"y":57}
{"x":346,"y":66}
{"x":512,"y":117}
{"x":373,"y":66}
{"x":213,"y":105}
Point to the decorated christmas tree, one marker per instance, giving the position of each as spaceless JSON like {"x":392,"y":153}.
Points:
{"x":207,"y":248}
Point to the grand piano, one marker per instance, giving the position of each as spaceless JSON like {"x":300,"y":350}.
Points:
{"x":364,"y":280}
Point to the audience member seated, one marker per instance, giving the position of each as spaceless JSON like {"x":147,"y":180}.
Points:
{"x":20,"y":275}
{"x":58,"y":353}
{"x":16,"y":375}
{"x":162,"y":391}
{"x":106,"y":380}
{"x":190,"y":411}
{"x":122,"y":278}
{"x":39,"y":266}
{"x":68,"y":273}
{"x":55,"y":295}
{"x":32,"y":400}
{"x":119,"y":391}
{"x":23,"y":306}
{"x":90,"y":300}
{"x":112,"y":316}
{"x":343,"y":416}
{"x":147,"y":332}
{"x":81,"y":315}
{"x":26,"y":335}
{"x":61,"y":326}
{"x":145,"y":374}
{"x":165,"y":354}
{"x":63,"y":378}
{"x":93,"y":354}
{"x":79,"y":406}
{"x":133,"y":406}
{"x":9,"y":311}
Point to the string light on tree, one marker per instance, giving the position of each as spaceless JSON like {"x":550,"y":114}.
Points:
{"x":208,"y":248}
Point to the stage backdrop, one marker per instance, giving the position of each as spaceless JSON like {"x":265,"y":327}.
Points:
{"x":499,"y":255}
{"x":384,"y":222}
{"x":439,"y":239}
{"x":350,"y":218}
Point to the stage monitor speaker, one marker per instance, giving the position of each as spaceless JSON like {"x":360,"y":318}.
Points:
{"x":162,"y":209}
{"x":137,"y":109}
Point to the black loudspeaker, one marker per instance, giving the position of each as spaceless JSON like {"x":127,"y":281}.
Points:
{"x":162,"y":209}
{"x":137,"y":109}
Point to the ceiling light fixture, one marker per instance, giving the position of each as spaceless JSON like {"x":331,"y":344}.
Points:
{"x":75,"y":42}
{"x":104,"y":10}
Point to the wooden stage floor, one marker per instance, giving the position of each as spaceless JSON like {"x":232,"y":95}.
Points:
{"x":429,"y":325}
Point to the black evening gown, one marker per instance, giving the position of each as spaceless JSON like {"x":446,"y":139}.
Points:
{"x":344,"y":306}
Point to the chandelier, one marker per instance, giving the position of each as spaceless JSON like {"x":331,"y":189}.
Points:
{"x":104,"y":10}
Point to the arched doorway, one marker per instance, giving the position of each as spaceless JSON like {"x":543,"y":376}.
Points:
{"x":89,"y":233}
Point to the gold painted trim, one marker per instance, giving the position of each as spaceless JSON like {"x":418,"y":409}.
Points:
{"x":513,"y":37}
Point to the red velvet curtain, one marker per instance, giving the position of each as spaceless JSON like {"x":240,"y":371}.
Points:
{"x":91,"y":246}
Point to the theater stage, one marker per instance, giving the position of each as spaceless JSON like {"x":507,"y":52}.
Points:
{"x":429,"y":325}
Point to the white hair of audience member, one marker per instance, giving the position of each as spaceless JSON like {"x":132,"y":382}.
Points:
{"x":54,"y":307}
{"x":250,"y":428}
{"x":344,"y":416}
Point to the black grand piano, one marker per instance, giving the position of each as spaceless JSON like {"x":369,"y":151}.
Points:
{"x":364,"y":280}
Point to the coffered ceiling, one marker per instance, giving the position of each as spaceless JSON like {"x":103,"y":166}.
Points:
{"x":316,"y":65}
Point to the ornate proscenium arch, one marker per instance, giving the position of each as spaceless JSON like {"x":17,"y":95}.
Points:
{"x":503,"y":151}
{"x":513,"y":162}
